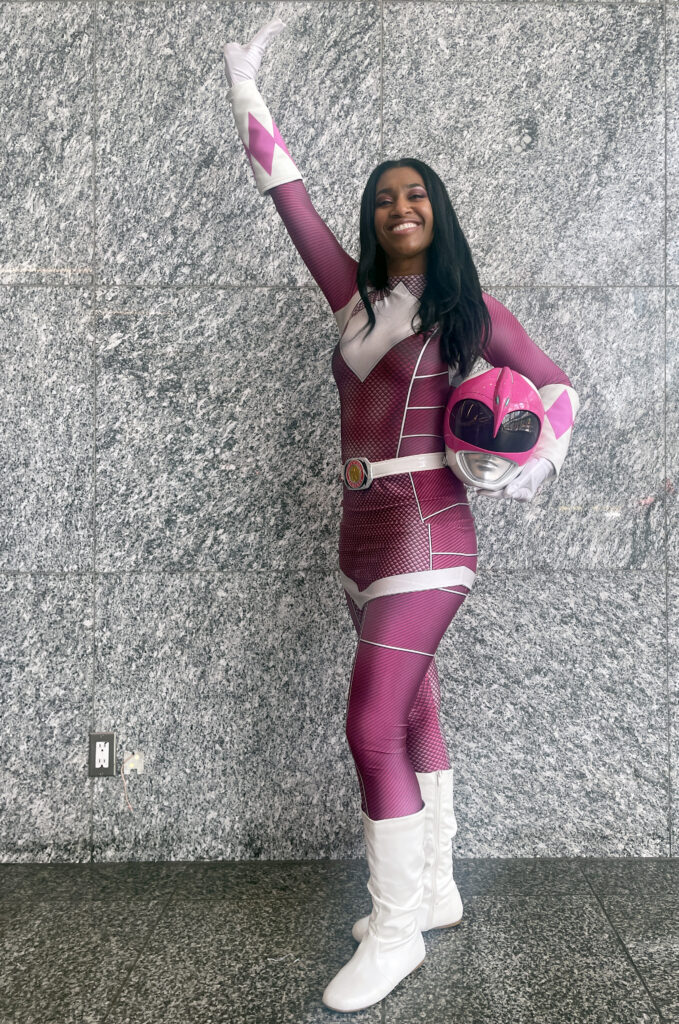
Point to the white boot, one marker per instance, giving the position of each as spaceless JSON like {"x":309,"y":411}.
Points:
{"x":392,"y":946}
{"x":441,"y":902}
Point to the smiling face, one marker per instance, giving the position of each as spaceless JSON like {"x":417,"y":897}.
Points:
{"x":401,"y":198}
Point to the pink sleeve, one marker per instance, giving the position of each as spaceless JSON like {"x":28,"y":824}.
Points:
{"x":511,"y":346}
{"x":333,"y":269}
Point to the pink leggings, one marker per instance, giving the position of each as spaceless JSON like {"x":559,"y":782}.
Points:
{"x":392,"y":723}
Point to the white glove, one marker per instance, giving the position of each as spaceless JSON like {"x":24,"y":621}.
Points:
{"x":525,"y":484}
{"x":242,"y":62}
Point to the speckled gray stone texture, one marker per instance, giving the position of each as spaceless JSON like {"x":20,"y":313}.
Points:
{"x":65,"y":960}
{"x":672,"y":428}
{"x":217,"y":429}
{"x":673,"y":696}
{"x":47,"y":151}
{"x":176,"y":195}
{"x":47,"y":419}
{"x":546,"y":122}
{"x":519,"y":961}
{"x":545,"y":939}
{"x":169,"y":501}
{"x":46,"y":633}
{"x":234,"y":686}
{"x":641,"y":900}
{"x":554,"y":702}
{"x":672,"y":142}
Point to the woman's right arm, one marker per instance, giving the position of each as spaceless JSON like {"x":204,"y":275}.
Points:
{"x":333,"y":269}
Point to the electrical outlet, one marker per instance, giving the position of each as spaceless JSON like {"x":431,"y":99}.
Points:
{"x":102,"y":754}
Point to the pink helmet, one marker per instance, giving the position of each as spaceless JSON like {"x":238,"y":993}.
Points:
{"x":491,"y":426}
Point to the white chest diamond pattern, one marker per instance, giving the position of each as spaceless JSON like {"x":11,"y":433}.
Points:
{"x":394,"y":312}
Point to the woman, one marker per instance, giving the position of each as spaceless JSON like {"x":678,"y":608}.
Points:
{"x":411,"y":316}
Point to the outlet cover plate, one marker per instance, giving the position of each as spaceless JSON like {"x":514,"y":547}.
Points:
{"x":102,"y":759}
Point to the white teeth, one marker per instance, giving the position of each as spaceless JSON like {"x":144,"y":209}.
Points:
{"x":405,"y":227}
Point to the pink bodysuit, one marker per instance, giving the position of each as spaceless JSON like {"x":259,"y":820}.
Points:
{"x":409,"y":531}
{"x":407,"y":544}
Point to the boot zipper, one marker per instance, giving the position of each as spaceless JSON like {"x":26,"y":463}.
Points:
{"x":436,"y":846}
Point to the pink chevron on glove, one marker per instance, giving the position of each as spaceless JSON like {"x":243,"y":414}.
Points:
{"x":560,"y":414}
{"x":262,"y":144}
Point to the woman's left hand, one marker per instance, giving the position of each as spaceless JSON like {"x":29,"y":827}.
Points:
{"x":525,"y":484}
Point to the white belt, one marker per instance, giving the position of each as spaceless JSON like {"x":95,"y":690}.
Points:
{"x":358,"y":473}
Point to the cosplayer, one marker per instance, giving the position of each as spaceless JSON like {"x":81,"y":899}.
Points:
{"x":411,"y":319}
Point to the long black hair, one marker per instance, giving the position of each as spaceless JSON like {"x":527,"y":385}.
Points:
{"x":452,"y":297}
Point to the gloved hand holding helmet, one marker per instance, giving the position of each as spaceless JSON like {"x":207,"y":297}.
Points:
{"x":492,"y":427}
{"x":525,"y":486}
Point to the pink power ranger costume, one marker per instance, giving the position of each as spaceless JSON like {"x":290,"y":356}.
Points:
{"x":407,"y":559}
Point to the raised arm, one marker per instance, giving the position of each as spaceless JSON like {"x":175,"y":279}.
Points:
{"x":511,"y":346}
{"x":333,"y":269}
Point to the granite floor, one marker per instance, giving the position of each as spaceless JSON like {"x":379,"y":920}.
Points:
{"x":541,"y":940}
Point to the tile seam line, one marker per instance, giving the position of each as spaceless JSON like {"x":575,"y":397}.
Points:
{"x":143,"y":947}
{"x":381,"y":12}
{"x":200,"y":287}
{"x":621,"y":943}
{"x":581,"y":570}
{"x":93,"y":302}
{"x":230,"y":888}
{"x":366,"y":3}
{"x":670,"y":823}
{"x":312,"y":288}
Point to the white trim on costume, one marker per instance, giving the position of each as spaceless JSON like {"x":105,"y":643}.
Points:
{"x":407,"y":582}
{"x":391,"y":647}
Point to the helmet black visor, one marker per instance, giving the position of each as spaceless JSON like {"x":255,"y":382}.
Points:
{"x":472,"y":422}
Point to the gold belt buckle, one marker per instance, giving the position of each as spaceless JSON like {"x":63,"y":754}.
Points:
{"x":357,"y":474}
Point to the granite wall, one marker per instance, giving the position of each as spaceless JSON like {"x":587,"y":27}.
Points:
{"x":169,"y":448}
